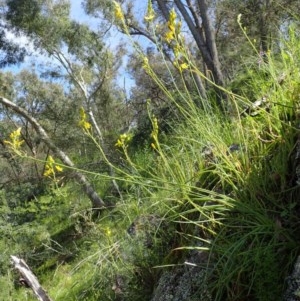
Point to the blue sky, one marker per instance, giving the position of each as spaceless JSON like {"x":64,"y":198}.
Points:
{"x":76,"y":9}
{"x":77,"y":13}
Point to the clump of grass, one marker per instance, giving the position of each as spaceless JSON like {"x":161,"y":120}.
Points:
{"x":236,"y":199}
{"x":221,"y":183}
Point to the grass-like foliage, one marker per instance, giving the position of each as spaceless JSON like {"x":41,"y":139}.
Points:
{"x":221,"y":183}
{"x":228,"y":179}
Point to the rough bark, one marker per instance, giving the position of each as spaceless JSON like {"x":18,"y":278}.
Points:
{"x":205,"y":42}
{"x":263,"y":27}
{"x":163,"y":8}
{"x":97,"y":202}
{"x":204,"y":37}
{"x":211,"y":43}
{"x":293,"y":283}
{"x":30,"y":278}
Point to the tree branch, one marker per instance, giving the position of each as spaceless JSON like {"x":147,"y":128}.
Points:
{"x":30,"y":279}
{"x":97,"y":202}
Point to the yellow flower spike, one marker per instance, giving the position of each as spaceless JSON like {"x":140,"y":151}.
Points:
{"x":83,"y":123}
{"x":150,"y":15}
{"x":118,"y":11}
{"x":48,"y":172}
{"x":50,"y":168}
{"x":15,"y":141}
{"x":123,"y":140}
{"x":181,"y":66}
{"x":145,"y":63}
{"x":50,"y":160}
{"x":154,"y":132}
{"x":169,"y":36}
{"x":171,"y":22}
{"x":119,"y":143}
{"x":172,"y":16}
{"x":86,"y":125}
{"x":171,"y":27}
{"x":174,"y":28}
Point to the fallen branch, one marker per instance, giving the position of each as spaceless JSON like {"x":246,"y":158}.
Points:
{"x":30,"y":279}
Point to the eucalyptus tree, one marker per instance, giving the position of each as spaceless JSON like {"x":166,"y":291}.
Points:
{"x":219,"y":44}
{"x":263,"y":20}
{"x":49,"y":122}
{"x":196,"y":18}
{"x":83,"y":57}
{"x":10,"y":51}
{"x":97,"y":202}
{"x":263,"y":23}
{"x":30,"y":93}
{"x":84,"y":60}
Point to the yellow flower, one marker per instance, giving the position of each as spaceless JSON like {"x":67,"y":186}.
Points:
{"x":174,"y":28}
{"x":48,"y":172}
{"x":58,"y":168}
{"x":83,"y":123}
{"x":118,"y":11}
{"x":169,"y":36}
{"x":51,"y":167}
{"x":172,"y":17}
{"x":123,"y":140}
{"x":181,"y":66}
{"x":150,"y":12}
{"x":178,"y":50}
{"x":51,"y":160}
{"x":145,"y":64}
{"x":119,"y":143}
{"x":154,"y":132}
{"x":15,"y":141}
{"x":86,"y":125}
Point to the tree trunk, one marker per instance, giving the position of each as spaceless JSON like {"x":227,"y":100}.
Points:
{"x":30,"y":279}
{"x":204,"y":37}
{"x":211,"y":43}
{"x":97,"y":202}
{"x":263,"y":28}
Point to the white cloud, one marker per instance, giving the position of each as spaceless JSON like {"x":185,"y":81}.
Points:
{"x":20,"y":40}
{"x":43,"y":60}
